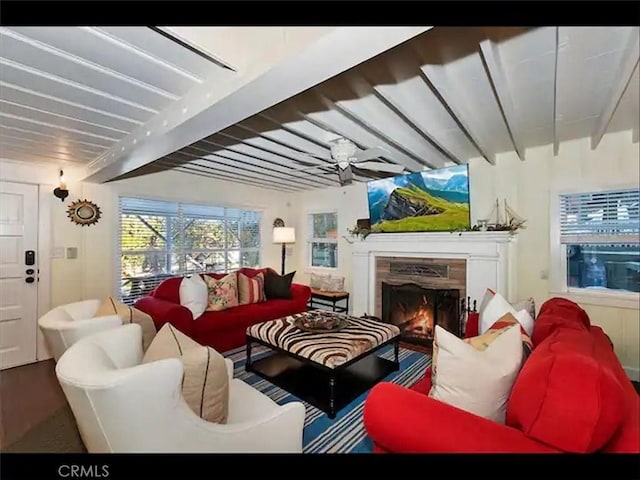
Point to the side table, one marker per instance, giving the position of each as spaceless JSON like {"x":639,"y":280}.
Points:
{"x":329,"y":299}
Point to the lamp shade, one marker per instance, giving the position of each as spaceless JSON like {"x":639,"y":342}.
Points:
{"x":284,"y":235}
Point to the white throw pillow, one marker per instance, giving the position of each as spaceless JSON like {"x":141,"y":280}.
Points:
{"x":525,"y":320}
{"x":478,"y":381}
{"x":194,"y":294}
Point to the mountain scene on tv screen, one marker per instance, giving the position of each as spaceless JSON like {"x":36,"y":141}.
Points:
{"x":431,"y":201}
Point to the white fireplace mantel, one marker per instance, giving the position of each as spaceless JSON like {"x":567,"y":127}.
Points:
{"x":489,"y":255}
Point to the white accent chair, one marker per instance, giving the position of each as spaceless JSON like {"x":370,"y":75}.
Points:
{"x":123,"y":405}
{"x":66,"y":324}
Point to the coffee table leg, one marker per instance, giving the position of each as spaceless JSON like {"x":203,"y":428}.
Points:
{"x":332,"y":397}
{"x":396,"y":352}
{"x":247,"y":365}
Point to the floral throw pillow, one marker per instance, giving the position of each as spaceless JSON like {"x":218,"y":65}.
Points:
{"x":222,"y":293}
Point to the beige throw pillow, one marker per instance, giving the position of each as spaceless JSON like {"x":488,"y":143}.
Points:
{"x":222,"y":293}
{"x":477,"y":376}
{"x":111,"y":306}
{"x":205,"y":385}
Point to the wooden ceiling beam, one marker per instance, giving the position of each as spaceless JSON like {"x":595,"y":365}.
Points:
{"x":202,"y":173}
{"x":556,"y":134}
{"x":435,"y":76}
{"x":628,"y":64}
{"x":495,"y":72}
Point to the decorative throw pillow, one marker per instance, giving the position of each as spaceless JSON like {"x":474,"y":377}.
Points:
{"x":508,"y":320}
{"x":194,"y":294}
{"x":222,"y":293}
{"x":205,"y":384}
{"x":111,"y":306}
{"x":496,"y":307}
{"x":335,"y":284}
{"x":476,"y":375}
{"x":250,"y":289}
{"x":278,"y":286}
{"x":319,"y":281}
{"x":528,"y":304}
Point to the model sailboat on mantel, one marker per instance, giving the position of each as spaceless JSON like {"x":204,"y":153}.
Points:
{"x":504,"y":220}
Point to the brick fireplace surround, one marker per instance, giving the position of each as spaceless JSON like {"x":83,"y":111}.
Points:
{"x":475,"y":261}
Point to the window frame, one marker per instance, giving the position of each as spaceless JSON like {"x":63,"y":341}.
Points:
{"x":311,"y":240}
{"x":118,"y":252}
{"x":558,"y":257}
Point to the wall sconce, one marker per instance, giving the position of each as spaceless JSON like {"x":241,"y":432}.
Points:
{"x":61,"y":191}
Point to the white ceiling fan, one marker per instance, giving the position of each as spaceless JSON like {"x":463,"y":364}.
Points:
{"x":345,"y":155}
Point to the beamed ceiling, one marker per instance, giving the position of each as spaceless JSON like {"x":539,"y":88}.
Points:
{"x":443,"y":97}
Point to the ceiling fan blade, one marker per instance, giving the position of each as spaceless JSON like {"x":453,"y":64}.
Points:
{"x":313,"y":159}
{"x":370,"y":154}
{"x":380,"y":167}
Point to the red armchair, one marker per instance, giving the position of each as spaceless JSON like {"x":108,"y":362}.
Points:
{"x":572,"y":395}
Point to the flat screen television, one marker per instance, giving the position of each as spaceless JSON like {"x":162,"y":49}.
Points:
{"x":431,"y":201}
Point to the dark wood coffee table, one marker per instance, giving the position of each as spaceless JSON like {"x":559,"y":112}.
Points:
{"x":328,"y":369}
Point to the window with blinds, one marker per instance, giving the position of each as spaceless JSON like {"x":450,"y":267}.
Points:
{"x":601,"y":232}
{"x":323,"y":240}
{"x":160,"y":239}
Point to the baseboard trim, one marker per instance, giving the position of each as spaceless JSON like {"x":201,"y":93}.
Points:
{"x":633,"y":373}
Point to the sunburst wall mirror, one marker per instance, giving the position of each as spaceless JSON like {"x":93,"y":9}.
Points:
{"x":84,"y":212}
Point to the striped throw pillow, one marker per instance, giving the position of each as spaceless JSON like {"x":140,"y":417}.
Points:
{"x":127,"y":314}
{"x":250,"y":289}
{"x":205,"y":384}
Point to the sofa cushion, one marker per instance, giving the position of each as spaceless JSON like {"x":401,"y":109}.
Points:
{"x":477,"y":374}
{"x":496,"y":307}
{"x":278,"y":286}
{"x":223,"y":292}
{"x":250,"y":289}
{"x":564,"y":396}
{"x":194,"y":294}
{"x":242,"y":316}
{"x":111,"y":306}
{"x":205,"y":384}
{"x":559,"y":313}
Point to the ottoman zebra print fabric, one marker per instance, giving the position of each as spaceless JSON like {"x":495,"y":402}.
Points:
{"x":330,"y":349}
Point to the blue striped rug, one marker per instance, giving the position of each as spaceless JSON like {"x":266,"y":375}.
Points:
{"x":345,"y":433}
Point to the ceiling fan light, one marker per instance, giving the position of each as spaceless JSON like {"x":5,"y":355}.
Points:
{"x":342,"y":150}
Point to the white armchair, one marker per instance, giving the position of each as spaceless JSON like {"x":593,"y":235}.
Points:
{"x":66,"y":324}
{"x":122,"y":405}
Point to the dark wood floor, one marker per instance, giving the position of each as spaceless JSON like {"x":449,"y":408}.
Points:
{"x":28,"y":395}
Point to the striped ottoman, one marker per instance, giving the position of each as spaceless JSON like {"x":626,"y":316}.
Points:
{"x":326,"y":369}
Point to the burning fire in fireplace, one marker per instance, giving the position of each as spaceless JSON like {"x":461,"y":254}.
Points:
{"x":417,"y":310}
{"x":422,"y":321}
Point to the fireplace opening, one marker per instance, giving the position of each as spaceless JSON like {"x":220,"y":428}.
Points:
{"x":417,"y":310}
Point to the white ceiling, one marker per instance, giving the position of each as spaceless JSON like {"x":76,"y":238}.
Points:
{"x":68,"y":94}
{"x":443,"y":97}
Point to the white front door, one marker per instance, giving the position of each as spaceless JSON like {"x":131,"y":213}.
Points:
{"x":18,"y":273}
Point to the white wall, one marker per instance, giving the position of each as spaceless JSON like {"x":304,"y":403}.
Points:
{"x":92,"y":274}
{"x":527,"y":186}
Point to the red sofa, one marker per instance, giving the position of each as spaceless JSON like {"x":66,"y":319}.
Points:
{"x":572,"y":395}
{"x":222,"y":330}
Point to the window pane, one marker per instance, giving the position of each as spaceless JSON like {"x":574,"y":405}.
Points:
{"x":202,"y":233}
{"x":615,"y":267}
{"x":325,"y":225}
{"x":324,"y":254}
{"x":250,"y":258}
{"x":143,"y":232}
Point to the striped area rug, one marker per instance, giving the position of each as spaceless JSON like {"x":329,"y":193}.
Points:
{"x":345,"y":433}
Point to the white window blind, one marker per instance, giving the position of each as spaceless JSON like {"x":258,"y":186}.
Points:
{"x":600,"y":217}
{"x":160,"y":239}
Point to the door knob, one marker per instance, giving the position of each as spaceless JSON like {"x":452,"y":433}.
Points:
{"x":29,"y":271}
{"x":29,"y":280}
